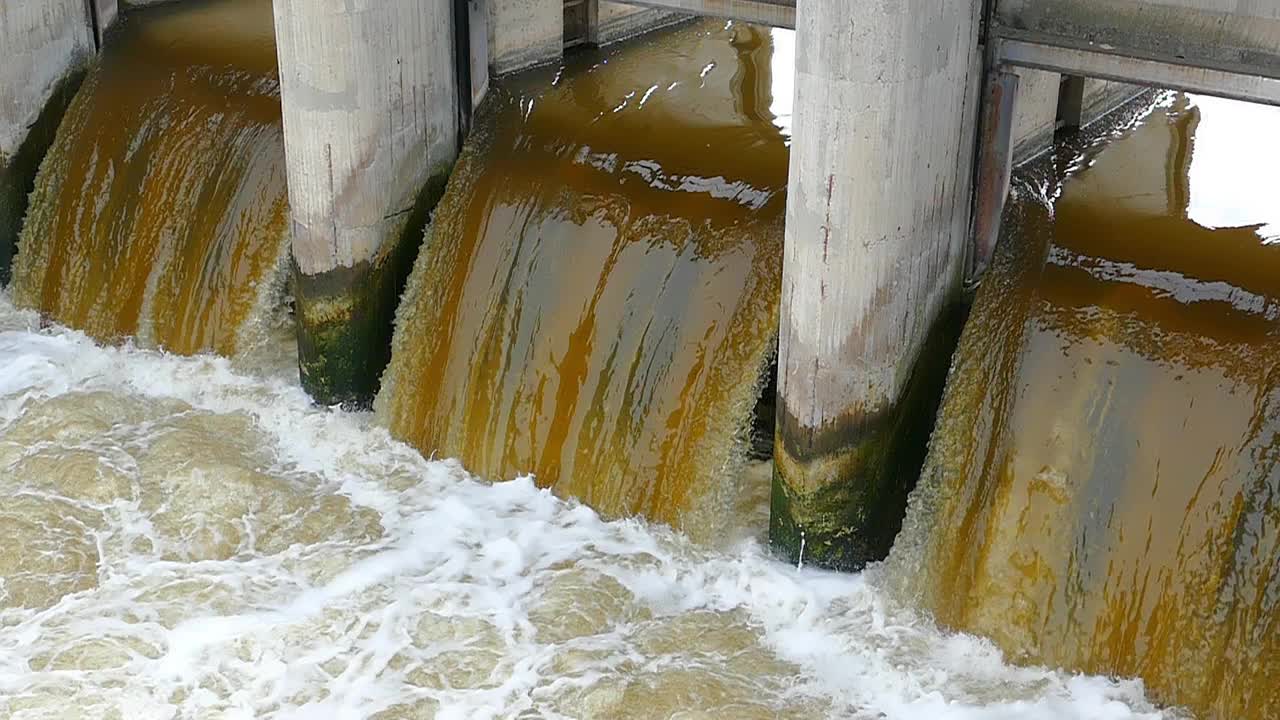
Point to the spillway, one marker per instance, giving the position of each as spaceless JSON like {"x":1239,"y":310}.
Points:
{"x":160,"y":212}
{"x":1103,"y":487}
{"x":597,"y":297}
{"x":585,"y":339}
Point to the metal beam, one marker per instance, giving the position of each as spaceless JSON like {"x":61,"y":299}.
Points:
{"x":1112,"y":66}
{"x":778,"y":13}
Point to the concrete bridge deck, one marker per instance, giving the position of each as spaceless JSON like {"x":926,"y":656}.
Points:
{"x":1219,"y":47}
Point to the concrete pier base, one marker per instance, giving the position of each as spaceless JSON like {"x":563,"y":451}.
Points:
{"x":47,"y":46}
{"x":369,"y":102}
{"x":877,"y":228}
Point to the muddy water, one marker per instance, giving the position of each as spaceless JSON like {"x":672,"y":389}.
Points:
{"x":1103,"y":490}
{"x":598,"y":297}
{"x":161,"y":210}
{"x":188,"y":538}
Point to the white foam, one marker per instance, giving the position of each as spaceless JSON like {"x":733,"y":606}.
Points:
{"x":446,"y":613}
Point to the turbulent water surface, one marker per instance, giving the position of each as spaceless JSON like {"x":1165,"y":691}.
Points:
{"x":190,"y":537}
{"x":183,"y":539}
{"x":1103,"y":491}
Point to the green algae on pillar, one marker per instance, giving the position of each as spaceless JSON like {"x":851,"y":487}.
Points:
{"x":877,"y":225}
{"x":370,"y":119}
{"x":345,"y":316}
{"x":839,"y":494}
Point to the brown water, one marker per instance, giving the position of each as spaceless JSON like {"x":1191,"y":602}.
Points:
{"x":189,"y":537}
{"x":161,"y":210}
{"x":1103,"y":488}
{"x":598,"y":294}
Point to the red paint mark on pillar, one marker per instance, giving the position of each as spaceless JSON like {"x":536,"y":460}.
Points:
{"x":826,"y":227}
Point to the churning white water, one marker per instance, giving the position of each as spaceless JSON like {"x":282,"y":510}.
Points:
{"x":191,"y":538}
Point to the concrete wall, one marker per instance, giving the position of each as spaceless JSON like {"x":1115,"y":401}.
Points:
{"x":1103,"y":96}
{"x":1036,"y":111}
{"x":523,"y":33}
{"x":618,"y":21}
{"x":43,"y":40}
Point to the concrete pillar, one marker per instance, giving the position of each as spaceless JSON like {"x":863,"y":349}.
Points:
{"x":1103,"y":96}
{"x":524,"y":33}
{"x":1035,"y":117}
{"x":478,"y":24}
{"x":369,"y":103}
{"x":877,"y":228}
{"x":103,"y":16}
{"x":46,"y":46}
{"x":1071,"y":102}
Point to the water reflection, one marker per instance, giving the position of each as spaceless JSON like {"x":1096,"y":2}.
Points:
{"x":1108,"y":459}
{"x":783,"y":68}
{"x":598,"y":296}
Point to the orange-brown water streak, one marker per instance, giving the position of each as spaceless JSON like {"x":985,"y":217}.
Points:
{"x":598,"y":293}
{"x":1103,"y":488}
{"x":161,"y":209}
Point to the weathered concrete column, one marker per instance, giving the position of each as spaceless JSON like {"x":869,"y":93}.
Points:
{"x":370,"y":112}
{"x":877,"y":224}
{"x":46,"y":46}
{"x":478,"y":25}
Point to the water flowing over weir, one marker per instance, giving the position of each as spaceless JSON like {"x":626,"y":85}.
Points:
{"x":1103,"y":486}
{"x":160,"y":212}
{"x":597,"y":297}
{"x":190,"y":537}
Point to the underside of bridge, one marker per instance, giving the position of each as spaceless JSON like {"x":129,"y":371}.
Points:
{"x":778,"y":13}
{"x":1229,"y":48}
{"x":1222,"y":47}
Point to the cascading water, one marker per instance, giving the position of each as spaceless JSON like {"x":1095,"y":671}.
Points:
{"x":161,"y":209}
{"x":598,"y":294}
{"x":1103,"y":487}
{"x":190,"y":537}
